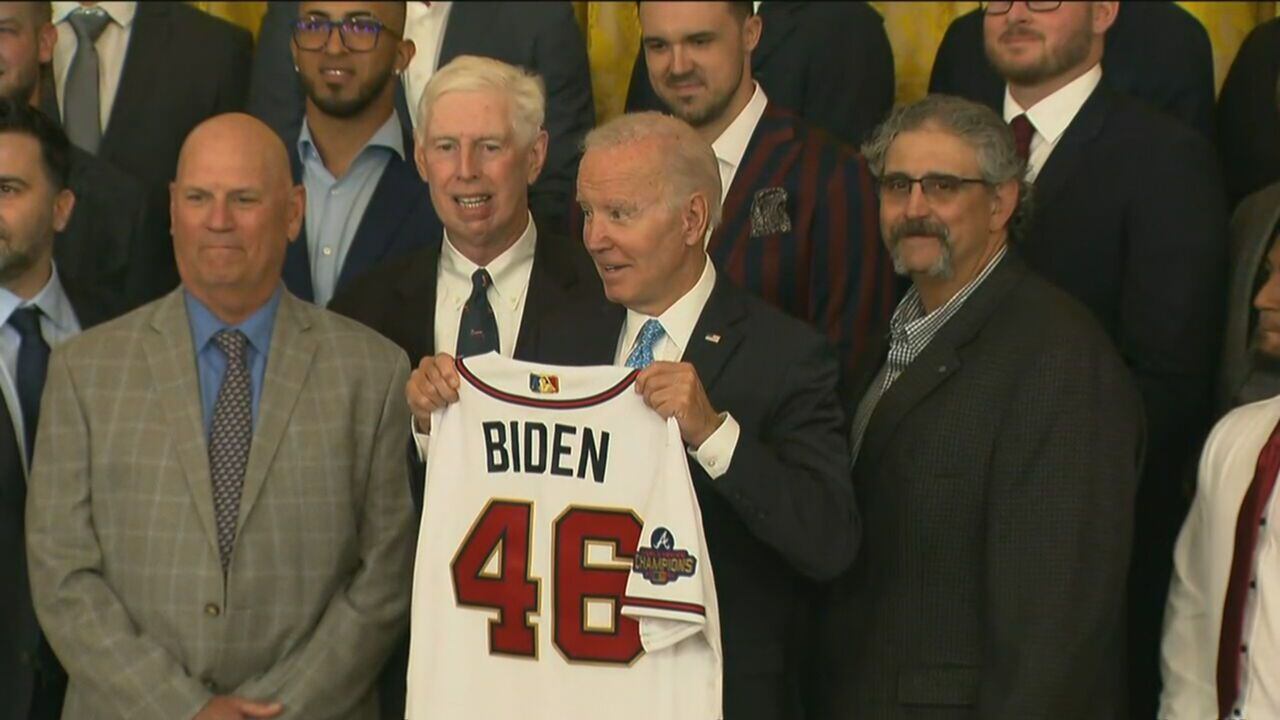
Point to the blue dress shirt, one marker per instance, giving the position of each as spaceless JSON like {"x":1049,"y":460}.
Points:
{"x":335,"y":206}
{"x":211,"y":364}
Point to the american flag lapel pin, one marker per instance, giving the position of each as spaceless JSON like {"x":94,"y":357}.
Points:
{"x":713,"y":338}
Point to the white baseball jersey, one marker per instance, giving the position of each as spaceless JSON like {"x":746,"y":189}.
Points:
{"x":561,"y":569}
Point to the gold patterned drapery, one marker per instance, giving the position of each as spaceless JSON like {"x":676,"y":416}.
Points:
{"x":915,"y":29}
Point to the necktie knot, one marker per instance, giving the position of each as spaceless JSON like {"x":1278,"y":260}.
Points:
{"x":642,"y":356}
{"x":26,"y":321}
{"x":232,"y":343}
{"x":480,"y":280}
{"x":1023,"y":130}
{"x":88,"y":23}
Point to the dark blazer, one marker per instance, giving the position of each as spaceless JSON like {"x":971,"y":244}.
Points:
{"x":829,"y":62}
{"x":1130,"y":219}
{"x":398,"y":299}
{"x":782,"y":516}
{"x":1245,"y":378}
{"x":996,"y":479}
{"x":32,"y":681}
{"x":399,"y":220}
{"x":1249,"y":114}
{"x":541,"y":36}
{"x":1156,"y":52}
{"x":828,"y":266}
{"x":111,"y":241}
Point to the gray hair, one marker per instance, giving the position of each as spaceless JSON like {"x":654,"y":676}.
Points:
{"x":973,"y":123}
{"x":688,"y":164}
{"x":525,"y":92}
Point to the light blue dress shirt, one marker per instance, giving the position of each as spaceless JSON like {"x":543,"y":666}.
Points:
{"x":335,"y":206}
{"x":211,"y":363}
{"x":58,"y":323}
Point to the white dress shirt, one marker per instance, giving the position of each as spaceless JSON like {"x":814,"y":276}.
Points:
{"x":732,"y":143}
{"x":424,"y":24}
{"x":716,"y":452}
{"x":510,"y":272}
{"x":1051,"y":116}
{"x":112,"y":46}
{"x":58,"y":323}
{"x":1202,"y":571}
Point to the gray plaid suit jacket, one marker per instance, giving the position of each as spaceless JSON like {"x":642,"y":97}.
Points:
{"x":121,"y":533}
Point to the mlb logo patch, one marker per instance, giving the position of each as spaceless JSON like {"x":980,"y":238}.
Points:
{"x":662,"y":562}
{"x":544,"y":384}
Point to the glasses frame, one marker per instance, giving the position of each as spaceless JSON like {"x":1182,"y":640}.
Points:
{"x":343,"y":26}
{"x":932,"y":197}
{"x":1032,"y":6}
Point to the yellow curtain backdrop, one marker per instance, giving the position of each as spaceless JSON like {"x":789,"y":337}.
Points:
{"x":915,"y":29}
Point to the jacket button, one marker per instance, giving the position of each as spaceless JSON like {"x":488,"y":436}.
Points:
{"x":212,"y":610}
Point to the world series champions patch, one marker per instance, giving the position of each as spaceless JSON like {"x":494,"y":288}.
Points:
{"x":662,"y":562}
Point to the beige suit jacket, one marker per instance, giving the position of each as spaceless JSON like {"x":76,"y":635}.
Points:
{"x":121,"y":532}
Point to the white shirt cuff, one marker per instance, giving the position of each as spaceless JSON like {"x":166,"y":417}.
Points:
{"x":420,"y":439}
{"x":716,"y":452}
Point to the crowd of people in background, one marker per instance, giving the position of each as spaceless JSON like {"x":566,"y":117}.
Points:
{"x":981,"y":393}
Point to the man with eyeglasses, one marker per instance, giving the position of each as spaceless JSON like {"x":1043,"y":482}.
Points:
{"x":996,"y":456}
{"x":1130,"y":219}
{"x":365,"y":200}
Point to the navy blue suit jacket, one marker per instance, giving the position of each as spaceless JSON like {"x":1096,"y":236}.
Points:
{"x":399,"y":220}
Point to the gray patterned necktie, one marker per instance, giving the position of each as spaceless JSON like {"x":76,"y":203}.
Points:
{"x":229,"y":438}
{"x":81,"y":104}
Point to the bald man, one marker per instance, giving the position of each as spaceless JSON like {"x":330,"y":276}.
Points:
{"x":219,"y":522}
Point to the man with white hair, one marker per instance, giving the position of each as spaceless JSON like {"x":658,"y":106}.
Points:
{"x":752,"y":390}
{"x":486,"y":283}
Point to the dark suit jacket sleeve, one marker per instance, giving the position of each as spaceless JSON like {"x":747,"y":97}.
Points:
{"x":364,"y":619}
{"x":561,"y":60}
{"x":1248,"y":117}
{"x":790,"y":483}
{"x":1060,"y":509}
{"x":1173,"y":292}
{"x":84,"y":619}
{"x":275,"y":95}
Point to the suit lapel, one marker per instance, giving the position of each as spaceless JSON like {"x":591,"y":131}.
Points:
{"x":939,"y":360}
{"x":549,"y":285}
{"x":458,"y":30}
{"x":778,"y":22}
{"x":394,"y":199}
{"x":171,"y":359}
{"x":1066,"y":156}
{"x":414,"y":315}
{"x":715,"y":336}
{"x":764,"y":155}
{"x":297,"y":258}
{"x":292,"y":349}
{"x":148,"y":43}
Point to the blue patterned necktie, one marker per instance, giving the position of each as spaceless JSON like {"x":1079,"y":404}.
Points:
{"x":230,"y":436}
{"x":478,"y":328}
{"x":642,"y":356}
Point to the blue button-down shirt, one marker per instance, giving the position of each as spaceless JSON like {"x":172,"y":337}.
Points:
{"x":211,"y":363}
{"x":335,"y":206}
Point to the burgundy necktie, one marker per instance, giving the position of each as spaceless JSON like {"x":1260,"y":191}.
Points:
{"x":1022,"y":132}
{"x":1230,"y":646}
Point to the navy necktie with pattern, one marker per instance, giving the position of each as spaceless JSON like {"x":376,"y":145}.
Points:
{"x":478,"y":328}
{"x":33,"y":366}
{"x":230,"y":436}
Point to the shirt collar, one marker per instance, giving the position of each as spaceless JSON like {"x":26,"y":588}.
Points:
{"x":679,"y":319}
{"x":416,"y":11}
{"x":1051,"y":116}
{"x":51,"y":300}
{"x":257,"y":327}
{"x":121,"y":13}
{"x":910,"y":313}
{"x":389,"y":136}
{"x":509,"y":271}
{"x":732,"y":143}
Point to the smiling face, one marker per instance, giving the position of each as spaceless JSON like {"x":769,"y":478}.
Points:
{"x":342,"y":83}
{"x":1031,"y":48}
{"x":477,"y":170}
{"x":234,"y":212}
{"x":26,"y":42}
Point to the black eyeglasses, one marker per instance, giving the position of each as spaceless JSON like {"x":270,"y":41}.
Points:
{"x":357,"y":34}
{"x":1000,"y":8}
{"x":936,"y":188}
